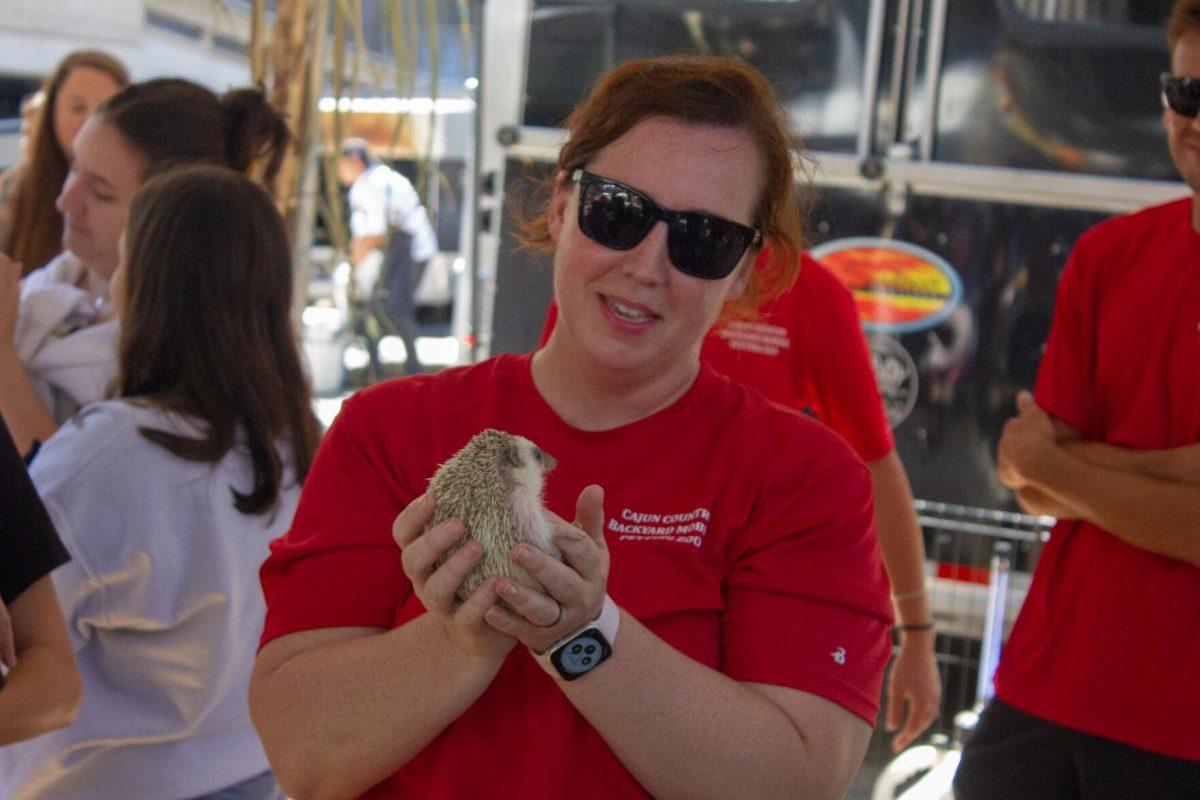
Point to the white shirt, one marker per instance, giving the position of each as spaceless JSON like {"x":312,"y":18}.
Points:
{"x":66,"y":335}
{"x":164,"y":610}
{"x":381,"y":198}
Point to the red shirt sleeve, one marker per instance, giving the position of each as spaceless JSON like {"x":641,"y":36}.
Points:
{"x":807,"y":598}
{"x":338,"y":565}
{"x":1065,"y":374}
{"x":836,"y":355}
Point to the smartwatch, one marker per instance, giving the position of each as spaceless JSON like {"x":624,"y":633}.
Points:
{"x":578,"y":653}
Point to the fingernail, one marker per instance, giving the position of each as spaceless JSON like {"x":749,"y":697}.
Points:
{"x":508,"y":589}
{"x":521,"y":554}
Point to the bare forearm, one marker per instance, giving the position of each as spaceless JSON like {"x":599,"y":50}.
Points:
{"x":27,"y":419}
{"x":900,"y":542}
{"x":1153,"y":514}
{"x":1039,"y":503}
{"x":337,"y":719}
{"x":684,"y":730}
{"x":360,"y":246}
{"x":41,"y":693}
{"x":1179,"y":464}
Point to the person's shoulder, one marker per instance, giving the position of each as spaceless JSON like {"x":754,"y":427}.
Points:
{"x":1126,"y":229}
{"x":1121,"y":244}
{"x":822,"y":290}
{"x":772,"y":430}
{"x":436,"y":390}
{"x":96,"y":441}
{"x":815,"y":276}
{"x":816,"y":291}
{"x":382,"y":175}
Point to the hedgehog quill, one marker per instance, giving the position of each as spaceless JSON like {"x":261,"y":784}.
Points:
{"x":494,"y":485}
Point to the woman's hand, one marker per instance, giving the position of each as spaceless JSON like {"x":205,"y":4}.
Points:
{"x":10,"y":296}
{"x":914,"y":694}
{"x":575,"y":586}
{"x":436,"y":586}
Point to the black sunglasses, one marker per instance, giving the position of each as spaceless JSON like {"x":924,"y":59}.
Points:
{"x":1181,"y":95}
{"x":619,"y":216}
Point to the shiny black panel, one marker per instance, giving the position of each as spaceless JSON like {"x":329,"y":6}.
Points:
{"x":1075,"y":92}
{"x":811,"y":50}
{"x":970,"y":367}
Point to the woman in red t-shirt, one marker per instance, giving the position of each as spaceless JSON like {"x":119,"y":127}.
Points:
{"x":718,"y":626}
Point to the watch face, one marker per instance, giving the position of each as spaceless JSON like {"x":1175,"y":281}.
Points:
{"x":581,"y":654}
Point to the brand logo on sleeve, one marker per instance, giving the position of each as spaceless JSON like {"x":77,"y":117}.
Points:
{"x":687,"y":527}
{"x":839,"y":655}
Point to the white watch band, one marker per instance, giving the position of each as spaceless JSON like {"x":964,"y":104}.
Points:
{"x":607,"y":623}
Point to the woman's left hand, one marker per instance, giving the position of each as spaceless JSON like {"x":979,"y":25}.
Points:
{"x":575,"y":586}
{"x":914,"y":695}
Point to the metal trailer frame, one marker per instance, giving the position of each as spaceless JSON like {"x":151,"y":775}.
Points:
{"x":908,"y":169}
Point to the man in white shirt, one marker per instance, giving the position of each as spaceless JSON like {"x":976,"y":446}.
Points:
{"x":391,"y":240}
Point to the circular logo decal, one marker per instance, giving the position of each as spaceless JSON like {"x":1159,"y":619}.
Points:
{"x":899,"y":287}
{"x":896,"y":375}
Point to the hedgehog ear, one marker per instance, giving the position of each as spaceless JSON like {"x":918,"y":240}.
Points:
{"x":512,"y":454}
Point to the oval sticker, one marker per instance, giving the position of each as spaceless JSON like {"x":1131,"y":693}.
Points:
{"x":898,"y":287}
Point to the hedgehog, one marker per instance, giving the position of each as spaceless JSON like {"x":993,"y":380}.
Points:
{"x":494,"y":485}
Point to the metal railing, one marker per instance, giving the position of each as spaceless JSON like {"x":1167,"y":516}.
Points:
{"x":979,"y":567}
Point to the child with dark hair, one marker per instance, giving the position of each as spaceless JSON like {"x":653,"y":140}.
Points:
{"x":57,"y":340}
{"x":166,"y":498}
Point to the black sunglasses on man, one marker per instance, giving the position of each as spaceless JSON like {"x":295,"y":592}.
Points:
{"x":1181,"y":95}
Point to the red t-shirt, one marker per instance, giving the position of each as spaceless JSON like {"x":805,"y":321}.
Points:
{"x":807,"y":351}
{"x":741,"y":533}
{"x":1108,"y":640}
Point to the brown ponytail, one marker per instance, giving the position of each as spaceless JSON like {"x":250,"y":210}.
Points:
{"x":254,"y":130}
{"x":172,"y":122}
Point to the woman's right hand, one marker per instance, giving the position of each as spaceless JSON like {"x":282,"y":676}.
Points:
{"x":436,"y":586}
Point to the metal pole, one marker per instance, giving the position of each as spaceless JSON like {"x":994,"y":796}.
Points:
{"x":874,"y":55}
{"x":898,"y":61}
{"x":933,"y":72}
{"x":993,"y":623}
